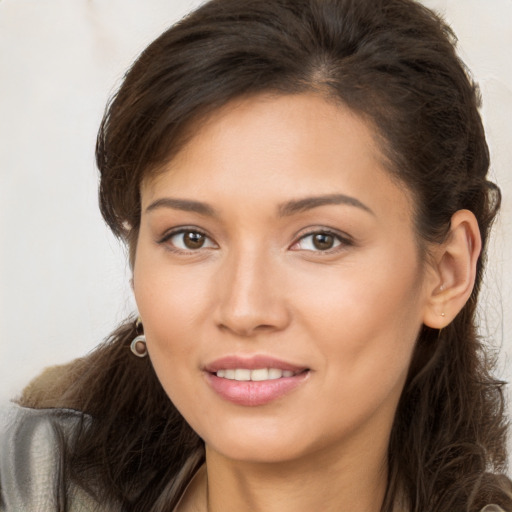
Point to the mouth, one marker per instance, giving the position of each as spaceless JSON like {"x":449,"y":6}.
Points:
{"x":257,"y":380}
{"x":256,"y":375}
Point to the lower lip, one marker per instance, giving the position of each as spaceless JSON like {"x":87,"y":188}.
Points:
{"x":252,"y":393}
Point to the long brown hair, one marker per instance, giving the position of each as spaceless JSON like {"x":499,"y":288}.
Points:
{"x":392,"y":62}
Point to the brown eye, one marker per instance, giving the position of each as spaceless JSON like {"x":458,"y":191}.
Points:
{"x":188,"y":240}
{"x":193,"y":239}
{"x":323,"y":241}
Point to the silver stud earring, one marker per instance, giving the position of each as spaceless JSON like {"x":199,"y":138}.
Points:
{"x":138,"y":344}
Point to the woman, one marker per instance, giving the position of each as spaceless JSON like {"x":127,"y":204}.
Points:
{"x":302,"y":188}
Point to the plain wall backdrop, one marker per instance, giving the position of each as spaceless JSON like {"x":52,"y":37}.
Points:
{"x":64,"y":280}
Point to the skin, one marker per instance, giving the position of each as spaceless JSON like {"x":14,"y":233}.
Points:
{"x":259,"y":285}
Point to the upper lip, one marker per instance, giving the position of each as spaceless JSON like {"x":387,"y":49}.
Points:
{"x":253,"y":362}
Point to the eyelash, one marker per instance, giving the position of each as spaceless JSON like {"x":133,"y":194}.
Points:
{"x":344,"y":240}
{"x":167,"y":237}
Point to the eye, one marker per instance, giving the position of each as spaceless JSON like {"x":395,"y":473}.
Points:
{"x":187,"y":240}
{"x":320,"y":241}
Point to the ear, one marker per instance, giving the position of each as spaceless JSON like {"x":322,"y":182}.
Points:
{"x":453,"y":271}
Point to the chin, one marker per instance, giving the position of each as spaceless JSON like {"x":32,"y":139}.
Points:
{"x":255,"y":451}
{"x":264,"y":440}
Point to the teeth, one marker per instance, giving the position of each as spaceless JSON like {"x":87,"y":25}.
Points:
{"x":259,"y":374}
{"x":242,"y":374}
{"x":275,"y":373}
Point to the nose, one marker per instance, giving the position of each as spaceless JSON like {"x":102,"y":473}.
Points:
{"x":251,"y":296}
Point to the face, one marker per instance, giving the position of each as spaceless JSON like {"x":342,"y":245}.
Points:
{"x":278,"y":278}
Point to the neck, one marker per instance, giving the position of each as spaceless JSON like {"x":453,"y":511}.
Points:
{"x":327,"y":482}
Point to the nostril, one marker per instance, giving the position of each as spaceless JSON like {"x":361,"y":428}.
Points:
{"x":246,"y":331}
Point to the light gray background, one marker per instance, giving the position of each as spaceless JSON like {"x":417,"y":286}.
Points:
{"x":64,"y":281}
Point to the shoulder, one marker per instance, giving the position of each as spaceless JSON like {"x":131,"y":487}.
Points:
{"x":32,"y":449}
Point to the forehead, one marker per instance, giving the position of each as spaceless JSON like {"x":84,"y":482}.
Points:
{"x":269,"y":148}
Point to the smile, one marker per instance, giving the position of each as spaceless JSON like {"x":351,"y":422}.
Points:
{"x":254,"y":380}
{"x":259,"y":374}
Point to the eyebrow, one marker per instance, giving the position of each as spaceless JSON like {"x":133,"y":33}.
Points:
{"x":186,"y":205}
{"x":301,"y":205}
{"x":284,"y":210}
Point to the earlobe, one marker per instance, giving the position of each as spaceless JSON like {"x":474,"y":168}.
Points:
{"x":454,"y":270}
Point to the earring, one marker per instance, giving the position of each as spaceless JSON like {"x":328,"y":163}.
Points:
{"x":138,"y":344}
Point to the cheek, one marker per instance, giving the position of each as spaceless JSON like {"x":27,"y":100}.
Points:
{"x":168,"y":297}
{"x":169,"y":328}
{"x":173,"y":305}
{"x":364,"y":298}
{"x":160,"y":300}
{"x":366,"y":323}
{"x":167,"y":316}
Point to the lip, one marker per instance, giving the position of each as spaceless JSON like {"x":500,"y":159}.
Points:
{"x":253,"y":393}
{"x":251,"y":363}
